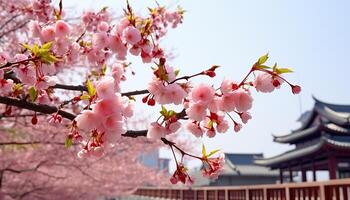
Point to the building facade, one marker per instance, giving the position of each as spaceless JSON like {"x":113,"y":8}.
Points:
{"x":322,"y":143}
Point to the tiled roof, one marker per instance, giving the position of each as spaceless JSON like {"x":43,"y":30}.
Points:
{"x":297,"y":153}
{"x":338,"y":119}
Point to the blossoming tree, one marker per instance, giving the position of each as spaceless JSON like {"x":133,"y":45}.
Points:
{"x":33,"y":165}
{"x":40,"y":47}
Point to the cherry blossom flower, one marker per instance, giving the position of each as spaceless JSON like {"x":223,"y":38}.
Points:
{"x":243,"y":100}
{"x":156,"y":131}
{"x":62,"y":29}
{"x":202,"y":93}
{"x":214,"y":166}
{"x":131,"y":35}
{"x":193,"y":128}
{"x":245,"y":116}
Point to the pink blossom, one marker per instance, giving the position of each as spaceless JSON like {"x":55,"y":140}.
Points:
{"x":194,"y":129}
{"x":2,"y":73}
{"x":45,"y":82}
{"x":196,"y":111}
{"x":26,"y":74}
{"x":117,"y":72}
{"x":43,"y":97}
{"x":156,"y":131}
{"x":48,"y":34}
{"x":237,"y":127}
{"x":245,"y":116}
{"x":263,"y":83}
{"x":5,"y":86}
{"x":135,"y":51}
{"x":214,"y":105}
{"x":106,"y":107}
{"x":100,"y":40}
{"x":215,"y":166}
{"x":181,"y":175}
{"x":243,"y":100}
{"x":113,"y":122}
{"x":147,"y":48}
{"x":61,"y":46}
{"x":222,"y":127}
{"x":128,"y":108}
{"x":175,"y":93}
{"x":131,"y":35}
{"x":123,"y":23}
{"x":146,"y":58}
{"x":35,"y":28}
{"x":106,"y":87}
{"x":62,"y":29}
{"x":226,"y":86}
{"x":173,"y":127}
{"x":227,"y":102}
{"x":87,"y":120}
{"x":103,"y":26}
{"x":202,"y":93}
{"x":211,"y":133}
{"x":296,"y":89}
{"x":112,"y":136}
{"x":115,"y":43}
{"x":4,"y":58}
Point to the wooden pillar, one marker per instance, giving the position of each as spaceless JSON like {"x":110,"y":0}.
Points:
{"x":290,"y":175}
{"x":332,"y":167}
{"x":281,"y":175}
{"x":303,"y":173}
{"x":313,"y":171}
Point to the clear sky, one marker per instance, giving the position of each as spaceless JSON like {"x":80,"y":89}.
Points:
{"x":312,"y":37}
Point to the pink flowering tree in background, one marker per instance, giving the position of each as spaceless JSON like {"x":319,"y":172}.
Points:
{"x":35,"y":165}
{"x":41,"y":47}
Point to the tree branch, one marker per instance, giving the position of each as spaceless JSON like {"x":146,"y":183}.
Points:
{"x":70,"y":87}
{"x":29,"y":143}
{"x":41,"y":108}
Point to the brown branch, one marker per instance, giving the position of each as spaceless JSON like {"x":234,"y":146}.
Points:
{"x":135,"y":134}
{"x":30,"y":143}
{"x":41,"y":108}
{"x":70,"y":87}
{"x":136,"y":92}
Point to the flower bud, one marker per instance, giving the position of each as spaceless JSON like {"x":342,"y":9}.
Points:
{"x":296,"y":89}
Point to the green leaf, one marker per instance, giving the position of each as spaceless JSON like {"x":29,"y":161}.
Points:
{"x":47,"y":45}
{"x":262,"y":67}
{"x":213,"y":152}
{"x":35,"y":49}
{"x":68,"y":142}
{"x":263,"y":59}
{"x":33,"y":94}
{"x":177,"y":72}
{"x":84,"y":97}
{"x":164,"y":112}
{"x":204,"y":151}
{"x":27,"y":47}
{"x":171,"y":113}
{"x":91,"y":89}
{"x":283,"y":70}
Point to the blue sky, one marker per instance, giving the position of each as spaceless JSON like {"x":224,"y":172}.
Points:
{"x":312,"y":37}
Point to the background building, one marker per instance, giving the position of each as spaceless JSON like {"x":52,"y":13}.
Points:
{"x":322,"y":143}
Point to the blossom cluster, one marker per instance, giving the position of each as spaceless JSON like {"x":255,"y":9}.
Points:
{"x":102,"y":45}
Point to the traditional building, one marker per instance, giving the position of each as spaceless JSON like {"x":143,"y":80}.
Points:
{"x":321,"y":143}
{"x":239,"y":169}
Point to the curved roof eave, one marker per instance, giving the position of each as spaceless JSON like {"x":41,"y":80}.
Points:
{"x":296,"y":153}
